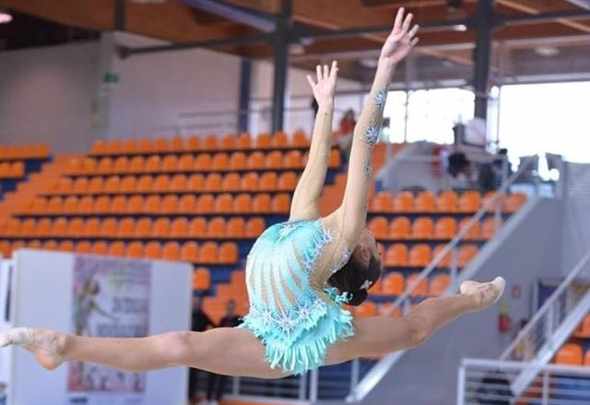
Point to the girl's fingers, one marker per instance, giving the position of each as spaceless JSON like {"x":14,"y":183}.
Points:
{"x":310,"y":81}
{"x":399,"y":17}
{"x":407,"y":22}
{"x":414,"y":31}
{"x":326,"y":71}
{"x":414,"y":41}
{"x":334,"y":69}
{"x":318,"y":71}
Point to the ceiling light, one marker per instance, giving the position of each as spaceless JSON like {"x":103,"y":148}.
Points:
{"x":547,"y":51}
{"x":5,"y":17}
{"x":460,"y":27}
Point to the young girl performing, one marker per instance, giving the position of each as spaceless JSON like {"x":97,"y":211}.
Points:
{"x":298,"y":274}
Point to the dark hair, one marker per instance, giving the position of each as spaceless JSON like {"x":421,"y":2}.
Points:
{"x":352,"y":278}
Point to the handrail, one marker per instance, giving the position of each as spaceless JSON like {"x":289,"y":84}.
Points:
{"x":372,"y":378}
{"x":547,"y":306}
{"x":449,"y":247}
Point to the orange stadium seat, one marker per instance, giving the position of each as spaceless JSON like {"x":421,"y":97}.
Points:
{"x":447,"y":201}
{"x":102,"y":205}
{"x":393,"y":284}
{"x":250,"y":182}
{"x":161,"y":228}
{"x":420,"y":255}
{"x":70,"y":204}
{"x":489,"y":228}
{"x":514,"y":202}
{"x":231,"y":182}
{"x":263,"y":141}
{"x":224,"y":203}
{"x":421,"y":285}
{"x":190,"y":252}
{"x":130,"y":146}
{"x":570,"y":354}
{"x":146,"y":145}
{"x":235,"y":227}
{"x":213,"y":182}
{"x":584,"y":328}
{"x":220,"y":161}
{"x":55,"y":205}
{"x":196,"y":183}
{"x":145,"y":183}
{"x":91,"y":228}
{"x":178,"y":183}
{"x":281,"y":204}
{"x":137,"y":164}
{"x":209,"y":253}
{"x":244,"y":141}
{"x":254,"y":227}
{"x":75,"y":228}
{"x":425,"y":202}
{"x":128,"y":184}
{"x":474,"y":231}
{"x":238,"y":161}
{"x":268,"y":181}
{"x":135,"y":250}
{"x":177,"y":144}
{"x":179,"y":228}
{"x":470,"y":201}
{"x":229,"y":141}
{"x":126,"y":228}
{"x":211,"y":142}
{"x":262,"y":204}
{"x":143,"y":227}
{"x":300,"y":140}
{"x":382,"y":202}
{"x":439,"y":284}
{"x":153,"y":250}
{"x":84,"y":247}
{"x":193,"y":143}
{"x":47,"y":245}
{"x":153,"y":164}
{"x":117,"y":249}
{"x":112,"y":184}
{"x":293,"y":160}
{"x":274,"y":160}
{"x":100,"y":248}
{"x":121,"y":165}
{"x":119,"y":204}
{"x":400,"y":228}
{"x":27,"y":227}
{"x":228,"y":253}
{"x":135,"y":204}
{"x":201,"y":279}
{"x":59,"y":227}
{"x":89,"y":165}
{"x":280,"y":140}
{"x":153,"y":204}
{"x":216,"y":227}
{"x":80,"y":185}
{"x":445,"y":228}
{"x":379,"y":227}
{"x":108,"y":228}
{"x":366,"y":309}
{"x":287,"y":181}
{"x":169,"y":204}
{"x":186,"y":163}
{"x":105,"y":166}
{"x":171,"y":251}
{"x":423,"y":228}
{"x":205,"y":204}
{"x":467,"y":253}
{"x":256,"y":161}
{"x":187,"y":204}
{"x":198,"y":227}
{"x":161,"y":145}
{"x":242,"y":203}
{"x":447,"y":260}
{"x":403,"y":202}
{"x":64,"y":185}
{"x":396,"y":255}
{"x":161,"y":183}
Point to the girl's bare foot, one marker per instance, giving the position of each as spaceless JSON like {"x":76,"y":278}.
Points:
{"x":484,"y":294}
{"x":48,"y":346}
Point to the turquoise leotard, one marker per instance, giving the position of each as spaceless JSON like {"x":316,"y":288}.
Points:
{"x":294,"y":321}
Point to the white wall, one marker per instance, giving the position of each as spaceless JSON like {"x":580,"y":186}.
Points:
{"x":46,"y":96}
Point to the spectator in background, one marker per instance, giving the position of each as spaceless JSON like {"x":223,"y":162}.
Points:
{"x":200,"y":322}
{"x":216,"y":382}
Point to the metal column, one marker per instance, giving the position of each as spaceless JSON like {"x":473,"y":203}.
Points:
{"x":281,"y":64}
{"x":245,"y":86}
{"x":484,"y":22}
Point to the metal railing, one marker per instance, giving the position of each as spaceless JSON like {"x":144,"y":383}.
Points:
{"x":404,"y":301}
{"x":489,"y":382}
{"x":551,"y":326}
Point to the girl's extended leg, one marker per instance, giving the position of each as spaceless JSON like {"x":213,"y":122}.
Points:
{"x":377,"y":336}
{"x":229,"y":351}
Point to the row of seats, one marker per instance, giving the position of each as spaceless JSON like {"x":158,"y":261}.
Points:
{"x":179,"y":144}
{"x":179,"y":183}
{"x":447,"y":227}
{"x":225,"y":253}
{"x":12,"y":170}
{"x":446,"y":201}
{"x":188,"y":204}
{"x":24,"y":152}
{"x":130,"y":228}
{"x":203,"y":162}
{"x":572,"y":354}
{"x":421,"y":254}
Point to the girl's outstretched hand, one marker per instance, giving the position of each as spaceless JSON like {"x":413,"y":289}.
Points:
{"x":401,"y":40}
{"x":325,"y":86}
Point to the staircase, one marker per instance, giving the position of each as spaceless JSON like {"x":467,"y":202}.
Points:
{"x":551,"y":326}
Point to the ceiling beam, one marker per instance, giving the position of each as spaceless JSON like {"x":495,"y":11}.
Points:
{"x":253,"y":18}
{"x":535,"y":7}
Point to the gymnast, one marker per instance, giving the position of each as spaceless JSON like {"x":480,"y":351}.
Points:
{"x":299,"y":274}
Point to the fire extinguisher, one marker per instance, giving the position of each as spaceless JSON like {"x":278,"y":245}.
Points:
{"x":504,"y":320}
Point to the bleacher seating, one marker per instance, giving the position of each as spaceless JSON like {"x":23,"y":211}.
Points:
{"x":17,"y":162}
{"x":205,"y":201}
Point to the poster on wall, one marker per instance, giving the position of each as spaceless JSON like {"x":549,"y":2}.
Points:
{"x":111,"y":298}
